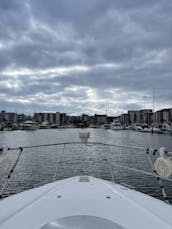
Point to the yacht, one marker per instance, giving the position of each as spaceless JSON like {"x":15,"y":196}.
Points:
{"x":166,"y":129}
{"x":7,"y":128}
{"x":137,"y":127}
{"x":93,"y":126}
{"x":44,"y":125}
{"x":107,"y":126}
{"x":155,"y":130}
{"x":30,"y":125}
{"x":116,"y":125}
{"x":146,"y":128}
{"x":83,"y":202}
{"x":54,"y":126}
{"x":125,"y":127}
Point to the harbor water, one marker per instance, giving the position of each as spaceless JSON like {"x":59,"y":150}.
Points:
{"x":38,"y":166}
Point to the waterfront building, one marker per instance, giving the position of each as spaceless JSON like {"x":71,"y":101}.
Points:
{"x":8,"y":117}
{"x":170,"y":115}
{"x":38,"y":117}
{"x":3,"y":119}
{"x":85,"y":118}
{"x":75,"y":120}
{"x":166,"y":115}
{"x":44,"y":117}
{"x":159,"y":116}
{"x":132,"y":117}
{"x":110,"y":119}
{"x":92,"y":120}
{"x":12,"y":117}
{"x":21,"y":118}
{"x":3,"y":116}
{"x":51,"y":118}
{"x":163,"y":116}
{"x":117,"y":119}
{"x":138,"y":117}
{"x":124,"y":119}
{"x":57,"y":118}
{"x":146,"y":116}
{"x":100,"y":119}
{"x":63,"y":119}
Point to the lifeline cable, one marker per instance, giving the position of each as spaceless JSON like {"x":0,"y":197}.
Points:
{"x":110,"y":168}
{"x":58,"y":163}
{"x":11,"y":172}
{"x":96,"y":143}
{"x":159,"y":178}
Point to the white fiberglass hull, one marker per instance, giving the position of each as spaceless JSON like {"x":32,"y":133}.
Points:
{"x":30,"y":127}
{"x":44,"y":127}
{"x":84,"y":196}
{"x":116,"y":128}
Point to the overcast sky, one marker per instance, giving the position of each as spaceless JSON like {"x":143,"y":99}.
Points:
{"x":79,"y":56}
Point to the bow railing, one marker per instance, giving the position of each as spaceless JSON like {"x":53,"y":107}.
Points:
{"x":107,"y":157}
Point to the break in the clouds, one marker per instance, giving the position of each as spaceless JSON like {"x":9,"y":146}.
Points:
{"x":80,"y":56}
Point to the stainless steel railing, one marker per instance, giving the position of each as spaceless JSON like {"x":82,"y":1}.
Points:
{"x":148,"y":152}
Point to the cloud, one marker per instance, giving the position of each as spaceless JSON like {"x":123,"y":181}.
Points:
{"x":77,"y":56}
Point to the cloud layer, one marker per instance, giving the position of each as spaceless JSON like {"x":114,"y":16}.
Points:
{"x":77,"y":56}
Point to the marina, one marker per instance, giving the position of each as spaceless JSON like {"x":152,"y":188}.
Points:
{"x":144,"y":120}
{"x":85,"y":114}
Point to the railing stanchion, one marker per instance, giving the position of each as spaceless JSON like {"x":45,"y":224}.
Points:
{"x":159,"y":178}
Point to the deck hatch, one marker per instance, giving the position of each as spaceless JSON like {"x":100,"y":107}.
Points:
{"x":82,"y":222}
{"x":84,"y":179}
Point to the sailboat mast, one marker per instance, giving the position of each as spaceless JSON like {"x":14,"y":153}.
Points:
{"x":153,"y":99}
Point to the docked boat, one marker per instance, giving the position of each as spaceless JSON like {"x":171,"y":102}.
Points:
{"x":84,"y":202}
{"x":116,"y":125}
{"x":136,"y":127}
{"x":166,"y":129}
{"x":156,"y":130}
{"x":147,"y":129}
{"x":126,"y":127}
{"x":107,"y":126}
{"x":44,"y":125}
{"x":7,"y":128}
{"x":30,"y":125}
{"x":93,"y":126}
{"x":54,"y":126}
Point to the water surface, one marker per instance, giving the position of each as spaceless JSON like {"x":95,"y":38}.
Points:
{"x":38,"y":166}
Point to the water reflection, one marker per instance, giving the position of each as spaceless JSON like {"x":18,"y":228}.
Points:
{"x":37,"y":166}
